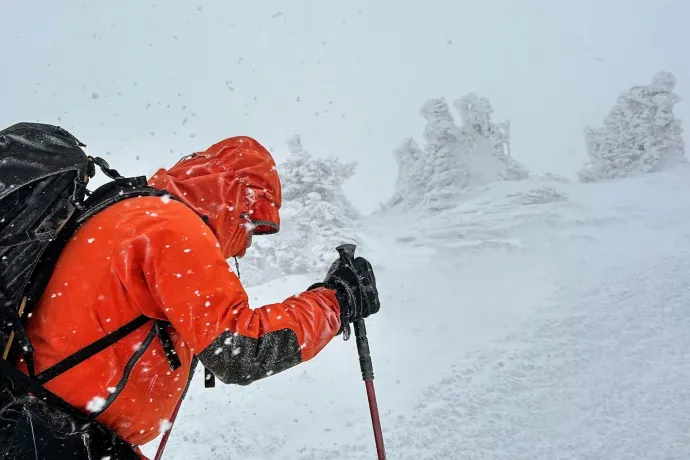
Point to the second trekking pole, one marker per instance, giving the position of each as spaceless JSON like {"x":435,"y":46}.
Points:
{"x":347,"y":255}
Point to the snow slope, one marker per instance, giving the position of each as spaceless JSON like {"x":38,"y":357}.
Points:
{"x":536,"y":320}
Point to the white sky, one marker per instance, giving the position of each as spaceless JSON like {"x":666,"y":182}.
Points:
{"x":349,"y":76}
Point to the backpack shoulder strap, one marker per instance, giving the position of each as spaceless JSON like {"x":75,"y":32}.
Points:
{"x":119,"y":189}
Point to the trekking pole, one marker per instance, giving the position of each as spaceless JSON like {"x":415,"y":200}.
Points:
{"x":347,"y":255}
{"x":173,"y":417}
{"x":166,"y":435}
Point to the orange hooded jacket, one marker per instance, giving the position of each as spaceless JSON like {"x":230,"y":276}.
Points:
{"x":157,"y":257}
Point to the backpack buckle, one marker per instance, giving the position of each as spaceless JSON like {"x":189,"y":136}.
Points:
{"x":79,"y":192}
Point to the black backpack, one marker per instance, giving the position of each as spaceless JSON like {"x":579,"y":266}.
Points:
{"x":43,"y":201}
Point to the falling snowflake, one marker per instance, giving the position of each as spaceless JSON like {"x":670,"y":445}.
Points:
{"x":165,"y":199}
{"x":91,"y":240}
{"x":96,"y":404}
{"x":165,"y":426}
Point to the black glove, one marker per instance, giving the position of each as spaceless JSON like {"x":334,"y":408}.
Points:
{"x":355,"y":286}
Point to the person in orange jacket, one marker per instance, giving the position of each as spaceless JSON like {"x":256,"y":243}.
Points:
{"x":167,"y":259}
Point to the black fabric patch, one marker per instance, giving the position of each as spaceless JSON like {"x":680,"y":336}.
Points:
{"x":240,"y":360}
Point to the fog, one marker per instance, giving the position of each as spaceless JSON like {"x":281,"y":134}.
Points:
{"x":143,"y":83}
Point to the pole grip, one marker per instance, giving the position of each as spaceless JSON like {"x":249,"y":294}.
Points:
{"x":347,"y":256}
{"x":347,"y":252}
{"x":365,"y":363}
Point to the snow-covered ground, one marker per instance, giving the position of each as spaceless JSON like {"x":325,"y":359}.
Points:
{"x":536,"y":320}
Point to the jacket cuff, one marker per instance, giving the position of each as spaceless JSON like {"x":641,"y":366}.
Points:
{"x":338,"y":298}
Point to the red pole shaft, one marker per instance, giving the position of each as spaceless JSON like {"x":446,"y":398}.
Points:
{"x":375,"y":420}
{"x":164,"y":441}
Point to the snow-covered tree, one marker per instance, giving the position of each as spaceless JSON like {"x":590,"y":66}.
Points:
{"x":445,"y":170}
{"x":454,"y":157}
{"x":412,"y":176}
{"x":640,"y":133}
{"x":316,"y":216}
{"x":302,"y":174}
{"x":484,"y":145}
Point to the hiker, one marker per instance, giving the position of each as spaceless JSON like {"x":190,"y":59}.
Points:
{"x":165,"y":257}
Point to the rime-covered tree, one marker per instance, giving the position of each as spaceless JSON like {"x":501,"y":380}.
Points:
{"x":445,"y":170}
{"x":484,"y":145}
{"x":457,"y":157}
{"x":640,"y":134}
{"x":412,"y":176}
{"x":316,"y":216}
{"x":302,"y":174}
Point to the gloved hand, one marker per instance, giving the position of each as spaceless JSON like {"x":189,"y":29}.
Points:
{"x":355,"y":287}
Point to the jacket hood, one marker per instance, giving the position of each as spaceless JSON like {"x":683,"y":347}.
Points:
{"x":234,"y":185}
